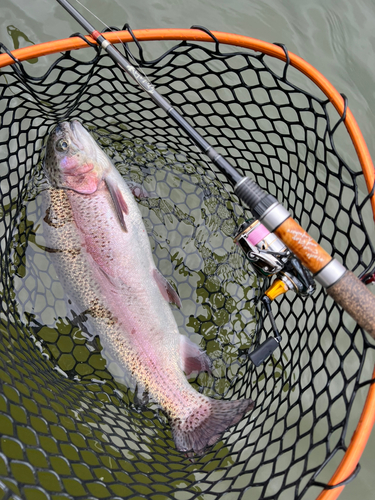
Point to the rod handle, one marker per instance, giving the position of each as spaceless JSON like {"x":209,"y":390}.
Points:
{"x":342,"y":285}
{"x":353,"y":296}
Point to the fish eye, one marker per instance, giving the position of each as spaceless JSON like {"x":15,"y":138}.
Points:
{"x":62,"y":145}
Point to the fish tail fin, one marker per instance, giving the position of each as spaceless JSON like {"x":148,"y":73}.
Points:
{"x":205,"y":425}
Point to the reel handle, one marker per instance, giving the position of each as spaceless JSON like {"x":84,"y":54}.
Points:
{"x":261,"y":353}
{"x":349,"y":292}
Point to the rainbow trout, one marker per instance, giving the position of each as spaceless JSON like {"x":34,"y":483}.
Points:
{"x":101,"y":252}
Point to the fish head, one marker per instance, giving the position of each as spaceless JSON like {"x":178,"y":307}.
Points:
{"x":74,"y":160}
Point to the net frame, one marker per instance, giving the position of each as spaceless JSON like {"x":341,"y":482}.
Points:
{"x":363,"y":430}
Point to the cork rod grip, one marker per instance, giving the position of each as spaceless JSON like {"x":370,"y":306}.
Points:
{"x":349,"y":292}
{"x":353,"y":296}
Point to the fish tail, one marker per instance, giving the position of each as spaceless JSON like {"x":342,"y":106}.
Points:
{"x":205,"y":425}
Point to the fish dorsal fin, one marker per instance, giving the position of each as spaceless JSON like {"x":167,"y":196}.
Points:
{"x":118,"y":200}
{"x":167,"y":290}
{"x":193,"y":359}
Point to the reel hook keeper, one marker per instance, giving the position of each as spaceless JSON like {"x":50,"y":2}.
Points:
{"x":270,"y":257}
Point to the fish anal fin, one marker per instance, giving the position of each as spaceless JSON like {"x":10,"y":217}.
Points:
{"x":119,"y":202}
{"x":166,"y":289}
{"x":137,"y":189}
{"x":193,"y":358}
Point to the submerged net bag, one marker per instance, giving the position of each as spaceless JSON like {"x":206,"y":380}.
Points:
{"x":68,"y":429}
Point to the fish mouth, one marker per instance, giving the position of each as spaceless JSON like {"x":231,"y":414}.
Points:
{"x":78,"y":131}
{"x":74,"y":127}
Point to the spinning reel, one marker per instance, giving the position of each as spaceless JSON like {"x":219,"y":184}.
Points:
{"x":270,"y":257}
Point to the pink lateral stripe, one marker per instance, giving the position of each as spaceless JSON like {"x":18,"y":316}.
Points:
{"x":257,"y":234}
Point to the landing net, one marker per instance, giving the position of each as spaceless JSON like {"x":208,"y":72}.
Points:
{"x":68,"y":429}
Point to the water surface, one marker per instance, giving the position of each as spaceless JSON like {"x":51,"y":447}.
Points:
{"x":335,"y":36}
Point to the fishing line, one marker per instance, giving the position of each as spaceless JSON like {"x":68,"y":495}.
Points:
{"x":139,"y":67}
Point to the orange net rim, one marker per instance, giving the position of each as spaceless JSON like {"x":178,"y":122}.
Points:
{"x":366,"y":422}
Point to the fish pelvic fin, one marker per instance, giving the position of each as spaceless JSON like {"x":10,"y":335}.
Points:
{"x":166,"y":289}
{"x":205,"y":425}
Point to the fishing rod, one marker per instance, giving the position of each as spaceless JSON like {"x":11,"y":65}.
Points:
{"x":341,"y":284}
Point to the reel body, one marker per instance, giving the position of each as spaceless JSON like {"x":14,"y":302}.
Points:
{"x":270,"y":257}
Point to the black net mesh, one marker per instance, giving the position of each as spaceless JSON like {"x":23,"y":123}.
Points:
{"x":68,"y":430}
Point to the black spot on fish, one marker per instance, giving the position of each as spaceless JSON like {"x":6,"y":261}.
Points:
{"x":73,"y":252}
{"x":51,"y":220}
{"x":97,"y":310}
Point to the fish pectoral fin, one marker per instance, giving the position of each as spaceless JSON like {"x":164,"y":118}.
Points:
{"x":166,"y":289}
{"x":119,"y":202}
{"x":193,"y":359}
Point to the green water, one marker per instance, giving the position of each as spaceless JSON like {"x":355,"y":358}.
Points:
{"x":335,"y":36}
